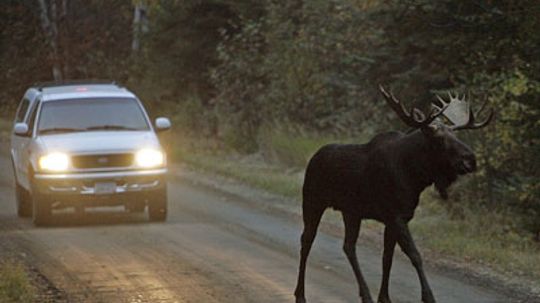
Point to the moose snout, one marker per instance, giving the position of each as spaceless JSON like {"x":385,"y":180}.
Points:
{"x":468,"y":164}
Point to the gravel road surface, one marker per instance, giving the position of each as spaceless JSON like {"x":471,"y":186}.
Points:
{"x":212,"y":248}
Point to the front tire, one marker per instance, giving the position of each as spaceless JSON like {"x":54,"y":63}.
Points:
{"x":157,"y":205}
{"x":41,"y":209}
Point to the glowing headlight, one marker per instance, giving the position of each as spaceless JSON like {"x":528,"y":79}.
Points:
{"x":54,"y":162}
{"x":149,"y":158}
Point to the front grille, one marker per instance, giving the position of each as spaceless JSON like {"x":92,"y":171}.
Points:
{"x":102,"y":161}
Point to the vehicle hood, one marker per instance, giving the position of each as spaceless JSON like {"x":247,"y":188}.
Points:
{"x":98,"y":141}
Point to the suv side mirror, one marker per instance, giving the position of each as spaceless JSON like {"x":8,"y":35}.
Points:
{"x":21,"y":129}
{"x":162,"y":124}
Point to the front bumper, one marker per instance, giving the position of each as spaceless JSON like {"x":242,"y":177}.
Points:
{"x":84,"y":184}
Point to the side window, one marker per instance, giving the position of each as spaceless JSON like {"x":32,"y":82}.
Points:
{"x":21,"y":112}
{"x":32,"y":119}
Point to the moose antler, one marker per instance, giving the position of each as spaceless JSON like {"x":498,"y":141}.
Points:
{"x":458,"y":111}
{"x":417,"y":119}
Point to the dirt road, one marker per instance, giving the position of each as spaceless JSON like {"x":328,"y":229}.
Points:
{"x":211,"y":249}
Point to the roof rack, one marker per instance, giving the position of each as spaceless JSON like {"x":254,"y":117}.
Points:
{"x":41,"y":85}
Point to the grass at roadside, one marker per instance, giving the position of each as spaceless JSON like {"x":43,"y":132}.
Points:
{"x":5,"y":128}
{"x":479,"y":236}
{"x":15,"y":284}
{"x":273,"y":179}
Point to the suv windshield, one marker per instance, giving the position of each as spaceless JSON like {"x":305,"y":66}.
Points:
{"x":75,"y":115}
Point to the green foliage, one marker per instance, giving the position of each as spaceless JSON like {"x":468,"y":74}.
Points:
{"x":15,"y":285}
{"x":180,"y":46}
{"x":293,"y":146}
{"x":317,"y":63}
{"x":253,"y":173}
{"x":5,"y":128}
{"x":509,"y":151}
{"x":296,"y":63}
{"x":19,"y":57}
{"x":92,"y":43}
{"x":481,"y":234}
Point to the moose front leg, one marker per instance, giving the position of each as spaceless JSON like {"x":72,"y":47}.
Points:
{"x":388,"y":255}
{"x":406,"y":243}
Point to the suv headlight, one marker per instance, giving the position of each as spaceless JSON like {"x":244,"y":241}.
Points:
{"x":54,"y":162}
{"x":149,"y":158}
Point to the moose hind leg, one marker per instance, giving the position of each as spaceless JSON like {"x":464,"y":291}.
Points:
{"x":406,"y":243}
{"x":311,"y":217}
{"x":352,"y":229}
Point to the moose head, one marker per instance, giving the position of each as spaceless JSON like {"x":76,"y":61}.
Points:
{"x":450,"y":156}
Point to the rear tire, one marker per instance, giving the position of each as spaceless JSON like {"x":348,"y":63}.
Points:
{"x":24,"y":203}
{"x":22,"y":196}
{"x":157,"y":205}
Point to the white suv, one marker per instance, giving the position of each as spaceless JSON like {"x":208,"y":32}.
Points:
{"x":86,"y":145}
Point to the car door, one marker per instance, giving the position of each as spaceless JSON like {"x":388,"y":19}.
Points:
{"x":20,"y":142}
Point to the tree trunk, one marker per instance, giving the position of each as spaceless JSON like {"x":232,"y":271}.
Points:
{"x":49,"y":26}
{"x":63,"y":39}
{"x":140,"y":24}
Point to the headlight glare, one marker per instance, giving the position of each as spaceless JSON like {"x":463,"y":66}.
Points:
{"x":54,"y":162}
{"x":149,"y":158}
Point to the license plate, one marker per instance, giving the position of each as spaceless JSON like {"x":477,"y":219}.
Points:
{"x":104,"y":188}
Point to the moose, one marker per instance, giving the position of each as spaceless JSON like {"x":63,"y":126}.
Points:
{"x":382,"y":180}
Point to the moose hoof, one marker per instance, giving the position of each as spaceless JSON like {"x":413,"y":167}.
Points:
{"x":300,"y":300}
{"x":367,"y":300}
{"x":427,"y":297}
{"x":384,"y":300}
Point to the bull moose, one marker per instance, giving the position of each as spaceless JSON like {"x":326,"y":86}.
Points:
{"x":382,"y":180}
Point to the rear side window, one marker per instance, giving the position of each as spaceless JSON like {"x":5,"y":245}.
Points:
{"x":21,"y":112}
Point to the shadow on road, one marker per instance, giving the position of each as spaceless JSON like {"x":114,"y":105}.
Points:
{"x":97,"y":217}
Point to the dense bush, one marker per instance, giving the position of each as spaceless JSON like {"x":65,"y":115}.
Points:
{"x":317,"y":64}
{"x":300,"y":64}
{"x":92,"y":44}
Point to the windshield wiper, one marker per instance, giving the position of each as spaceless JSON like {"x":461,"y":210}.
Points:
{"x":111,"y":127}
{"x":60,"y":130}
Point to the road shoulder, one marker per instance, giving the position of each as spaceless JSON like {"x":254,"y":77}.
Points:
{"x":23,"y":273}
{"x":474,"y":274}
